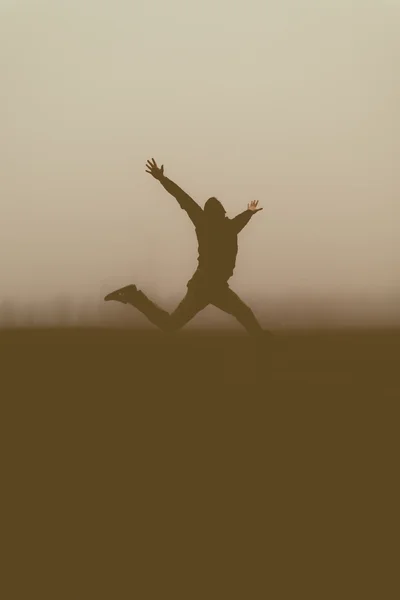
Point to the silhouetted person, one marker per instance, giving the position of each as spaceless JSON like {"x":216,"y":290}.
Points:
{"x":218,"y":246}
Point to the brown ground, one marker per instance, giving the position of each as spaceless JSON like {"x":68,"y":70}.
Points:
{"x":133,"y":467}
{"x":293,"y":365}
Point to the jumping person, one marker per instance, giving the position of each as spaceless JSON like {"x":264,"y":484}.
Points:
{"x":217,"y":247}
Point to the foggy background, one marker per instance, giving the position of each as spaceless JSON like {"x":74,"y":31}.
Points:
{"x":293,"y":103}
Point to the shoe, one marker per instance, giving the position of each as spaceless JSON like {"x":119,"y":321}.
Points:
{"x":123,"y":295}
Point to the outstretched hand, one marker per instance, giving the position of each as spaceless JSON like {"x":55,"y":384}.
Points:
{"x":154,"y":170}
{"x":253,"y":206}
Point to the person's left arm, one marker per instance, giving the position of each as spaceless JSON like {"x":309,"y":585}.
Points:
{"x":241,"y":220}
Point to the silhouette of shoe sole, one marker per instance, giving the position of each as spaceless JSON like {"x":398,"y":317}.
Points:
{"x":122,"y":294}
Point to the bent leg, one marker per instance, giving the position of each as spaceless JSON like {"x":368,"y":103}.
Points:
{"x":193,"y":302}
{"x":229,"y":302}
{"x":185,"y":311}
{"x":149,"y":309}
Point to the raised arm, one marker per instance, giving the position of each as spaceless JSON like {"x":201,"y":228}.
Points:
{"x":187,"y":203}
{"x":243,"y":218}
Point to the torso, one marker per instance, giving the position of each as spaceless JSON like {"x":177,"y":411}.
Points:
{"x":217,"y":247}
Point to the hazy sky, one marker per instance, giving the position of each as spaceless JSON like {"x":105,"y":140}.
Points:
{"x":294,"y":103}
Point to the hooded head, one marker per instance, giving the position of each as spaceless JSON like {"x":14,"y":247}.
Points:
{"x":214,"y":210}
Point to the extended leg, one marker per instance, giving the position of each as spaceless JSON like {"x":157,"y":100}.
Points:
{"x":229,"y":302}
{"x":192,"y":303}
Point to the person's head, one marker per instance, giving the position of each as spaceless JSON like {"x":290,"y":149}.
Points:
{"x":214,"y":210}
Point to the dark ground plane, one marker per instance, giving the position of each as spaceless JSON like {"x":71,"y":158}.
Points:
{"x":134,"y":465}
{"x":293,"y":365}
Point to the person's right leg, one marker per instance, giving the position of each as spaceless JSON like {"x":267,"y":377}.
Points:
{"x":193,"y":302}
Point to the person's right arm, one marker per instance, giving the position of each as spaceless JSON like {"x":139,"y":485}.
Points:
{"x":185,"y":201}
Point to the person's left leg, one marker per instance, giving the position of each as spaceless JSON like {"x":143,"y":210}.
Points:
{"x":225,"y":299}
